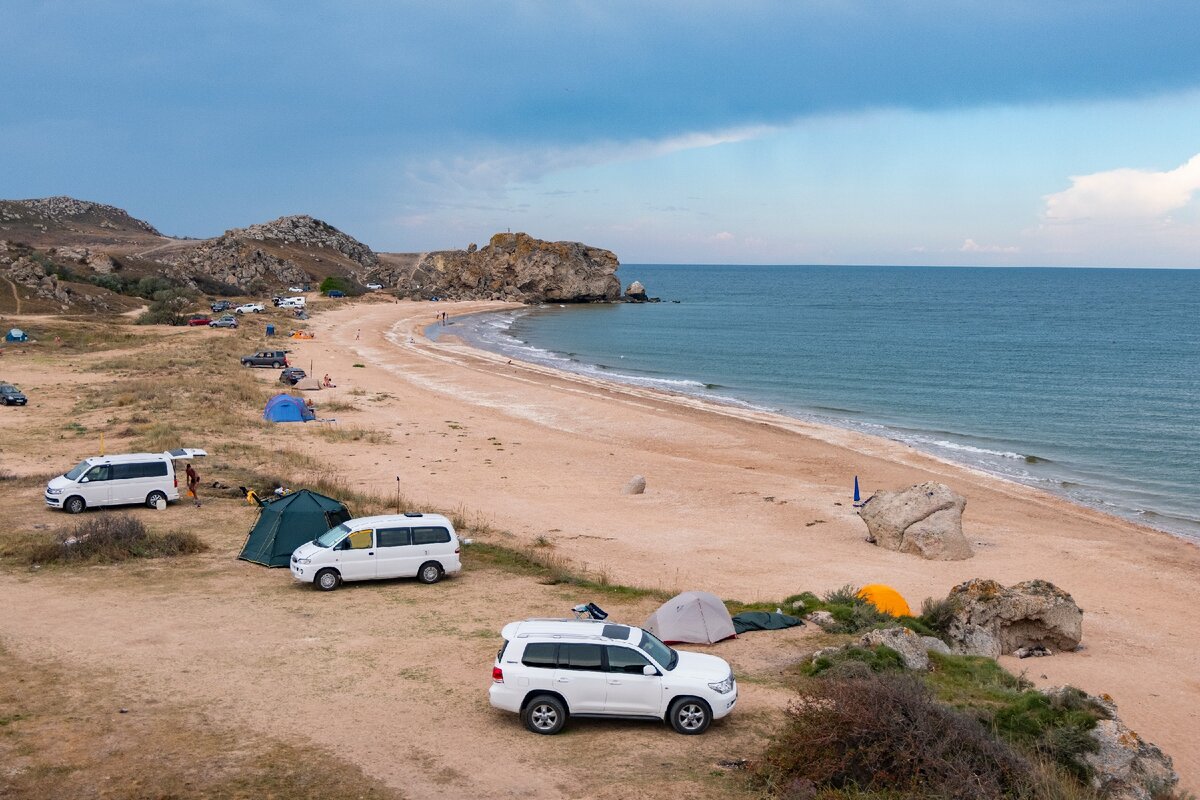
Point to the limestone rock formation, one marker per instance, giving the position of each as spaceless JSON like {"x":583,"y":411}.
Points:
{"x":635,"y":291}
{"x":990,"y":619}
{"x":517,"y":267}
{"x":57,"y":210}
{"x":912,"y":647}
{"x":924,"y":520}
{"x":306,"y":231}
{"x":823,"y":620}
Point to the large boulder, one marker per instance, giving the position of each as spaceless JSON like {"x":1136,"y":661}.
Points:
{"x":635,"y":291}
{"x":924,"y":520}
{"x":991,"y":620}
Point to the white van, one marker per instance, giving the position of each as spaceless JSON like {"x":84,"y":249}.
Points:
{"x":119,"y":480}
{"x":293,"y":302}
{"x":423,"y":546}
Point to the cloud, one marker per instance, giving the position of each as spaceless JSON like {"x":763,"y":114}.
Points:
{"x":723,"y":237}
{"x":971,"y":246}
{"x":1125,"y":194}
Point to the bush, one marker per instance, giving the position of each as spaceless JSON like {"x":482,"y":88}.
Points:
{"x":886,"y":733}
{"x":167,"y":308}
{"x":937,"y":614}
{"x":334,"y":282}
{"x":112,"y":538}
{"x":857,"y":662}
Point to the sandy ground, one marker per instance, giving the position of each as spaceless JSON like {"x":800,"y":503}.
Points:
{"x":748,"y":505}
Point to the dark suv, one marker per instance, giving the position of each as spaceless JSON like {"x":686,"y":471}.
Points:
{"x":292,"y":376}
{"x":221,"y":305}
{"x":266,"y":358}
{"x":11,"y":395}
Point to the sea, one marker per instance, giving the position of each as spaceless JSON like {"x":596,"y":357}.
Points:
{"x":1083,"y":382}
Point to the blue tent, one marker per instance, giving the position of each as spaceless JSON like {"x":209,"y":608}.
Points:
{"x":16,"y":335}
{"x":285,"y":408}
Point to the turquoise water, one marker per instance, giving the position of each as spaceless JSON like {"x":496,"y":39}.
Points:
{"x":1085,"y":382}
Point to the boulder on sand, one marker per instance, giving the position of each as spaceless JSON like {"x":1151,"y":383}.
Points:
{"x":924,"y":520}
{"x":912,"y":647}
{"x":636,"y":485}
{"x":990,"y":619}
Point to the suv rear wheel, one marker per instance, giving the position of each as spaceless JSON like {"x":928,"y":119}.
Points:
{"x":544,"y":714}
{"x":689,"y":716}
{"x":74,"y":505}
{"x":430,"y":572}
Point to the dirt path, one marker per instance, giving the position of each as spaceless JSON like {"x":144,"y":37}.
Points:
{"x":16,"y":296}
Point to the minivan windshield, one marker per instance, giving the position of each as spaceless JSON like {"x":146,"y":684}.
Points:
{"x":659,"y":651}
{"x":76,"y":473}
{"x":332,"y":536}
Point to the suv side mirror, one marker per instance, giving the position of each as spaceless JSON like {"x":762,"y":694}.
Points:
{"x":84,"y":479}
{"x":649,"y":670}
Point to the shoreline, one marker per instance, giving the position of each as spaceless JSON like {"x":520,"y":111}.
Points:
{"x":719,"y":404}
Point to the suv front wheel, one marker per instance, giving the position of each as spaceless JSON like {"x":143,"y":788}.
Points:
{"x":689,"y":716}
{"x":544,"y":714}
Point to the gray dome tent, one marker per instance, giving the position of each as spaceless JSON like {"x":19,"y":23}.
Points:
{"x":696,"y":617}
{"x":285,"y":523}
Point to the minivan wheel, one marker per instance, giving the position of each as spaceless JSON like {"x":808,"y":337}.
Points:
{"x":327,"y":580}
{"x":430,"y":572}
{"x":153,"y":498}
{"x":74,"y":505}
{"x":544,"y":714}
{"x":689,"y":716}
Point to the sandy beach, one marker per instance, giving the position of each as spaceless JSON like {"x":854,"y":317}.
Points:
{"x":745,"y":504}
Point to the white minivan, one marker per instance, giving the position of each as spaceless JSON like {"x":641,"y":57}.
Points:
{"x":133,"y":478}
{"x":423,"y":546}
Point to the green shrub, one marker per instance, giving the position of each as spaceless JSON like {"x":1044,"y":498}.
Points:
{"x":876,"y":659}
{"x":936,"y":615}
{"x":886,"y":733}
{"x":111,"y":538}
{"x":334,"y":282}
{"x":167,"y":308}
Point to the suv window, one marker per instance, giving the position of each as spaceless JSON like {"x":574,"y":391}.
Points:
{"x":430,"y":535}
{"x":143,"y":469}
{"x":580,"y":657}
{"x":623,"y":659}
{"x":359,"y":540}
{"x":393,"y":537}
{"x":540,"y":654}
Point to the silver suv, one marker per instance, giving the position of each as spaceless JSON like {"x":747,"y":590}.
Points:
{"x":550,"y":669}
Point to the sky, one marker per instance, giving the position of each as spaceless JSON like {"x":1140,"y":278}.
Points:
{"x":804,"y":132}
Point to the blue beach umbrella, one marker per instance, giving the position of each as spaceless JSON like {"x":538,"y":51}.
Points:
{"x":856,"y":495}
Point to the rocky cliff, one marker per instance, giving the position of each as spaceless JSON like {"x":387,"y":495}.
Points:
{"x":512,"y":266}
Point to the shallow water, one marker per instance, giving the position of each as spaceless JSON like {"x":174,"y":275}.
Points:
{"x":1085,"y":382}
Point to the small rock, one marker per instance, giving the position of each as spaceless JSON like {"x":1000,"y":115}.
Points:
{"x":1036,"y":651}
{"x":636,"y":485}
{"x":822,"y":619}
{"x":909,"y":645}
{"x":797,"y":605}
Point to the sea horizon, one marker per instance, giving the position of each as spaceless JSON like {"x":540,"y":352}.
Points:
{"x":1075,"y":380}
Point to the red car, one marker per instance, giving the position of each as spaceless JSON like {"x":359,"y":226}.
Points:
{"x":198,"y":319}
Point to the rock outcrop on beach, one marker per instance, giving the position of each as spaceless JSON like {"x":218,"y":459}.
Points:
{"x":913,"y":648}
{"x":992,"y":620}
{"x":924,"y":520}
{"x":512,"y":266}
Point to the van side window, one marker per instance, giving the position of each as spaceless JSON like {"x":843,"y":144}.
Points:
{"x":98,"y":473}
{"x":154,"y":469}
{"x":393,"y":537}
{"x":122,"y":471}
{"x":360,"y":540}
{"x":622,"y":659}
{"x":580,"y":657}
{"x":540,"y":654}
{"x":430,"y":535}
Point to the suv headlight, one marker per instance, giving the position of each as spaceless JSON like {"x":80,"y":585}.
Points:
{"x":724,"y":687}
{"x":53,"y":491}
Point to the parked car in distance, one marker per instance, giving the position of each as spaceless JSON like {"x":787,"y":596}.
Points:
{"x":227,"y":321}
{"x":266,"y":358}
{"x":119,"y":480}
{"x":292,"y":376}
{"x":336,"y":293}
{"x":374,"y":287}
{"x":11,"y":395}
{"x":221,"y":305}
{"x":198,"y":319}
{"x":297,"y":289}
{"x":249,"y":308}
{"x":293,"y":302}
{"x":550,"y":669}
{"x":423,"y":546}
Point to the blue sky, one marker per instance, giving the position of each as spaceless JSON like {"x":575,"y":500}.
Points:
{"x":833,"y":132}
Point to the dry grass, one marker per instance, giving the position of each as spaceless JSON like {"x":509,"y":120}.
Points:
{"x":110,"y":539}
{"x":338,"y":433}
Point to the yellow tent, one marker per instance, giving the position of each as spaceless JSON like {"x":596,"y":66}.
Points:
{"x":886,"y":599}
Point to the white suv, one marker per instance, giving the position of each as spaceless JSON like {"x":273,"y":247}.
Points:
{"x":549,"y":669}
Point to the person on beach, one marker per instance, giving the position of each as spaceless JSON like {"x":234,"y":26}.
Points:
{"x":358,"y":334}
{"x":193,"y":482}
{"x":327,"y":382}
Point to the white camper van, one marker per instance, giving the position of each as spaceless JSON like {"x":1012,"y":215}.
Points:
{"x":293,"y":302}
{"x":423,"y":546}
{"x":117,"y":480}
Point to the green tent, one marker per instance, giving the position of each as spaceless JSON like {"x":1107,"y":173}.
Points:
{"x":285,"y":523}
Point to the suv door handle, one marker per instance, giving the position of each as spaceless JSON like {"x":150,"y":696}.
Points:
{"x":614,"y":683}
{"x":371,"y":553}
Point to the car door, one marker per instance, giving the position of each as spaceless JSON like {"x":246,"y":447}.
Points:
{"x":580,"y":677}
{"x":394,"y":553}
{"x":96,"y":486}
{"x":630,"y":690}
{"x":355,"y":556}
{"x":124,"y":483}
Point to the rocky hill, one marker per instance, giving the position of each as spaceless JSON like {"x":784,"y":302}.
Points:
{"x":54,"y":248}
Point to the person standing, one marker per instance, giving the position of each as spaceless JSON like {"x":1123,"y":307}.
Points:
{"x":193,"y":483}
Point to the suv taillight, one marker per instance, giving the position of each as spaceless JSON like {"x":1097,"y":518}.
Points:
{"x":497,"y":675}
{"x":176,"y":480}
{"x":285,"y":362}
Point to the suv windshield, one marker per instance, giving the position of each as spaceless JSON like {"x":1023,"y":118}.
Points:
{"x":332,"y":536}
{"x":659,"y":651}
{"x":79,"y":469}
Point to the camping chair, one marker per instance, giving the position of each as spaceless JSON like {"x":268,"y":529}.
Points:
{"x":589,"y":611}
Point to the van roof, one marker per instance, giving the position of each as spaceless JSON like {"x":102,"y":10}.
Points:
{"x":123,"y":458}
{"x":589,"y":629}
{"x":403,"y":520}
